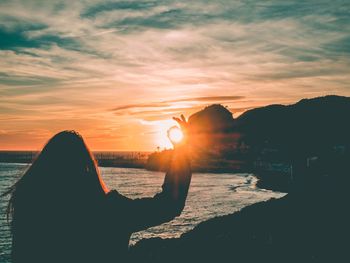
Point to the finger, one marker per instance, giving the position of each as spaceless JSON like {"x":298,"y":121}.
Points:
{"x":177,"y":120}
{"x":183,"y":118}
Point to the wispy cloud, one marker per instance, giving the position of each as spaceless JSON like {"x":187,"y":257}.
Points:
{"x":138,"y":106}
{"x":171,"y":103}
{"x":80,"y":59}
{"x":216,"y":99}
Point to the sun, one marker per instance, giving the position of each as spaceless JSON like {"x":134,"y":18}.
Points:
{"x":162,"y":138}
{"x":175,"y":134}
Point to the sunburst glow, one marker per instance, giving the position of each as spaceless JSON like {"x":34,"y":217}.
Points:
{"x":175,"y":134}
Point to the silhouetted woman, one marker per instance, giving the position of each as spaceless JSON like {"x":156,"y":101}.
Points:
{"x":63,"y":212}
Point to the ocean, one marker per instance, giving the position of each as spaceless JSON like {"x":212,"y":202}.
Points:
{"x":219,"y":194}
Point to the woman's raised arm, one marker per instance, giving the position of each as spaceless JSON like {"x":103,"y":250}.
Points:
{"x":140,"y":214}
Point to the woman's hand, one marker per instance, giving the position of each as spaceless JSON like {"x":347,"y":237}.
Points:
{"x":184,"y":126}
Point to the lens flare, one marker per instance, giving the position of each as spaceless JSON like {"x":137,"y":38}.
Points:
{"x":175,"y":134}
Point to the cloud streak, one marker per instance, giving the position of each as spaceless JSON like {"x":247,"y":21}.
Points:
{"x":212,"y":99}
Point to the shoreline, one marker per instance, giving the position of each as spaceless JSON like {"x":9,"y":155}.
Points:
{"x":142,"y":160}
{"x":144,"y":166}
{"x":141,"y":166}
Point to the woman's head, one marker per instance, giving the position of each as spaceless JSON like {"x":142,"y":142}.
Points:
{"x":65,"y":170}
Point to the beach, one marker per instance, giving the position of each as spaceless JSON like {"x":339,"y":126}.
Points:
{"x":219,"y":194}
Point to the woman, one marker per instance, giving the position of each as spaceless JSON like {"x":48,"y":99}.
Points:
{"x":63,"y":212}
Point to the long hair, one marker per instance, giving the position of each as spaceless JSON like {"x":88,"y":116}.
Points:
{"x":64,"y":170}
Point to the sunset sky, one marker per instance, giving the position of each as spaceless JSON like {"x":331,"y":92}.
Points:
{"x":117,"y":71}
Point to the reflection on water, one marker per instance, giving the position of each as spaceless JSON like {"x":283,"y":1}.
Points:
{"x":210,"y":195}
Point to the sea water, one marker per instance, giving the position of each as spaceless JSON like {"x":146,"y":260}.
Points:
{"x":210,"y":195}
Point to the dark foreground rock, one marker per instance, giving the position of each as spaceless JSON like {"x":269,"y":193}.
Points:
{"x":310,"y":224}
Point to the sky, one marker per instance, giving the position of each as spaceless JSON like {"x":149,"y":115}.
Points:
{"x":117,"y":71}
